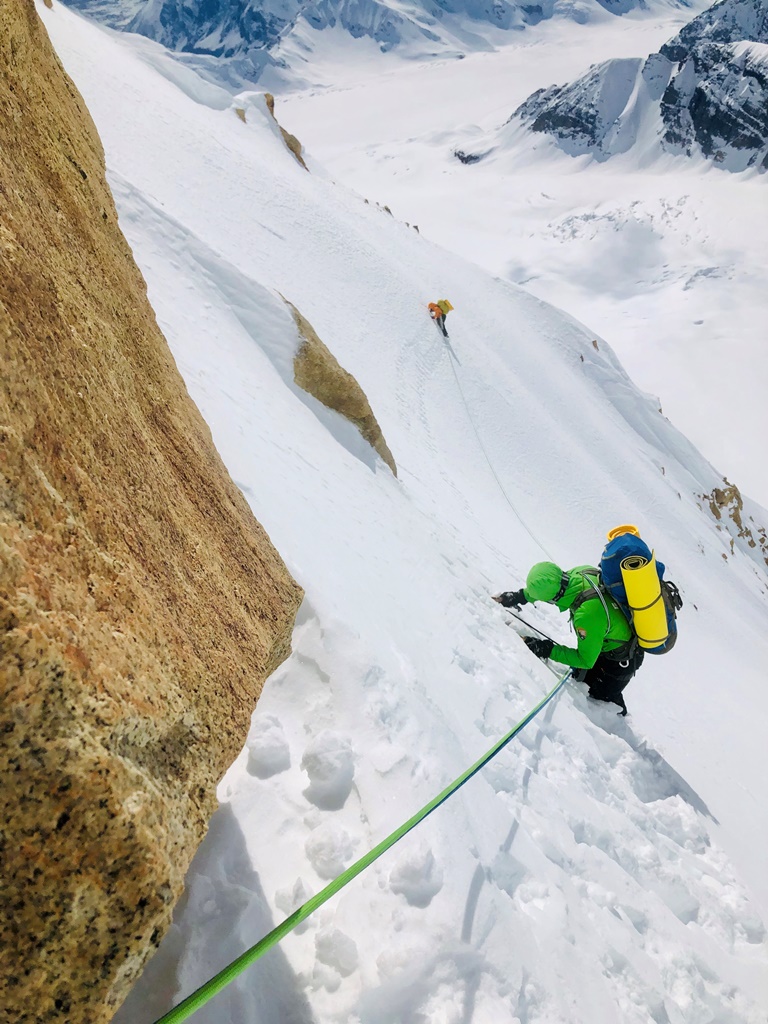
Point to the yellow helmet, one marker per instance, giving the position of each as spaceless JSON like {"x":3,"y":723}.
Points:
{"x":617,"y":531}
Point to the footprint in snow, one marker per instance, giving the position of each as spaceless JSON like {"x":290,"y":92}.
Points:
{"x":468,"y":665}
{"x":329,"y":849}
{"x":329,"y":761}
{"x":417,"y":876}
{"x":268,"y":751}
{"x":337,"y":957}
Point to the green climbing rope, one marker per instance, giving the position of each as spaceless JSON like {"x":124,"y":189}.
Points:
{"x":206,"y":992}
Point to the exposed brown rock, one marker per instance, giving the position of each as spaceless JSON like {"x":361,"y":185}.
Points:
{"x":290,"y":140}
{"x":317,"y":371}
{"x":141,"y":605}
{"x":728,"y":501}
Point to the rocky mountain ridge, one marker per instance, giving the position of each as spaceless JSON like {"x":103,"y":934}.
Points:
{"x":248,"y":33}
{"x":704,"y":93}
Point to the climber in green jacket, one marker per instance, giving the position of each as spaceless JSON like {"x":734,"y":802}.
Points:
{"x":607,"y":654}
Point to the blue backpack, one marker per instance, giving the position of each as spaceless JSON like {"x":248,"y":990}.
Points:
{"x":628,"y":545}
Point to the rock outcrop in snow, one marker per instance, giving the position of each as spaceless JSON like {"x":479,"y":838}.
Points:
{"x":317,"y":372}
{"x":705,"y":92}
{"x":260,"y":101}
{"x":291,"y":141}
{"x":727,"y":506}
{"x":141,"y":605}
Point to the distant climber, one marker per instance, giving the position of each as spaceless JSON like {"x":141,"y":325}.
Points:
{"x":439,"y":311}
{"x":607,"y":654}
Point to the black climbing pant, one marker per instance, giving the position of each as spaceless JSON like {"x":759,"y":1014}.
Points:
{"x":607,"y":678}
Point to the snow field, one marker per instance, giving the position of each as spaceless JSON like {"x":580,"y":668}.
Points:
{"x":590,"y":874}
{"x":663,"y":257}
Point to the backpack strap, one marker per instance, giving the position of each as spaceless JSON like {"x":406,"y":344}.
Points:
{"x":627,"y":650}
{"x":670,"y":590}
{"x":593,"y":579}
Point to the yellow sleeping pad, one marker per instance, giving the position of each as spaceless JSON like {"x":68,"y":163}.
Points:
{"x":649,"y":614}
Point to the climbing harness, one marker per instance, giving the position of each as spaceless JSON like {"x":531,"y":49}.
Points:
{"x":206,"y":992}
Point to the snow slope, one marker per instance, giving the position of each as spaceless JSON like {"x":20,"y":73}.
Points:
{"x":600,"y":869}
{"x":662,"y":256}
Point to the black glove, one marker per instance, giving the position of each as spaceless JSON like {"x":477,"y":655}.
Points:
{"x":512,"y":599}
{"x":540,"y":647}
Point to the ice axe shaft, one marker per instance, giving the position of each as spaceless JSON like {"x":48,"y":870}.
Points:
{"x":530,"y":625}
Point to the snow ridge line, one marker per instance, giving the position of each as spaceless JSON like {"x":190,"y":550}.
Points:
{"x":214,"y":985}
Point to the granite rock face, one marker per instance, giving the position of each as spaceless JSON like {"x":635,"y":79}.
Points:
{"x":141,"y":605}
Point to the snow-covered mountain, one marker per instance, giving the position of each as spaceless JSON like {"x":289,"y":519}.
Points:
{"x":601,"y":870}
{"x":252,"y":34}
{"x":704,"y":93}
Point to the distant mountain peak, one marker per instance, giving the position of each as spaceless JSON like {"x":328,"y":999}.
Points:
{"x":250,"y":33}
{"x":704,"y":93}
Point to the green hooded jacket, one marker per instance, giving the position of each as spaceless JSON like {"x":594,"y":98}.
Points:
{"x":596,"y":630}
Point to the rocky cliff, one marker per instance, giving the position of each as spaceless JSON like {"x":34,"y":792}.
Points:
{"x":141,"y":605}
{"x":717,"y":98}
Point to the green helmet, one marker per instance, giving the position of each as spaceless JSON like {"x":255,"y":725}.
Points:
{"x":544,"y":582}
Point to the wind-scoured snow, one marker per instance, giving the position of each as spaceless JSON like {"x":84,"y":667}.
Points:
{"x":600,"y":869}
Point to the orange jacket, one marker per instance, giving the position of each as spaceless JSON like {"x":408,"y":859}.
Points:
{"x":434,"y":311}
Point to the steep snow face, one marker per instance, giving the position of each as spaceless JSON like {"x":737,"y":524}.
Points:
{"x":706,"y":92}
{"x":601,"y":870}
{"x":255,"y":34}
{"x":600,"y":112}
